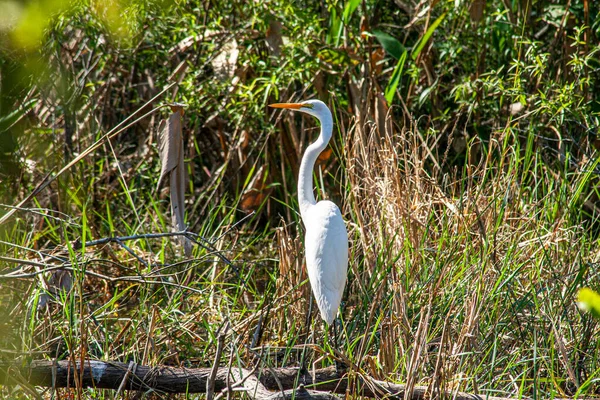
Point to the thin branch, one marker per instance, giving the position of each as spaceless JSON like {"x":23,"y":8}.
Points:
{"x":45,"y":212}
{"x":210,"y":383}
{"x":68,"y":267}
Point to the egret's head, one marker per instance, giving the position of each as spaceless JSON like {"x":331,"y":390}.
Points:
{"x":316,"y":108}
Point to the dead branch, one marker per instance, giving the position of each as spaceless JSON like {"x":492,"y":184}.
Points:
{"x":260,"y":384}
{"x":210,"y":384}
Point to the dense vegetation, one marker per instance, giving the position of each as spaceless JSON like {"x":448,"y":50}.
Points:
{"x":464,"y":160}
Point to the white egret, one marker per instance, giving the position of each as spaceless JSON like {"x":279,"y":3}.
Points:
{"x":326,"y":239}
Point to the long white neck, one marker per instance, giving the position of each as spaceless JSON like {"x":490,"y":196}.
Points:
{"x":306,"y":196}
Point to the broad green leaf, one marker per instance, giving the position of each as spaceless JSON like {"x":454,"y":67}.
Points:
{"x":588,"y":300}
{"x":390,"y":44}
{"x":427,"y":35}
{"x":392,"y":86}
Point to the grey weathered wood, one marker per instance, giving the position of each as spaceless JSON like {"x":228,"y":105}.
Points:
{"x":259,"y":385}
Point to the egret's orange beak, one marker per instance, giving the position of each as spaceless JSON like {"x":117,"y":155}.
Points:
{"x":292,"y":106}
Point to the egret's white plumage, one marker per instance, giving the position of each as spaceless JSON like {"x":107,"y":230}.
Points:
{"x":326,"y":240}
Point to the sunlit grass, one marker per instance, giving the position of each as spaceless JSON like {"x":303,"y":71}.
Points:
{"x":472,"y":226}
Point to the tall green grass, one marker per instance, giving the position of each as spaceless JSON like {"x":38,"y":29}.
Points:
{"x":467,"y":177}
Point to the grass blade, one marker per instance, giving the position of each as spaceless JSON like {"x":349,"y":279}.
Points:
{"x":392,"y":86}
{"x":427,"y":36}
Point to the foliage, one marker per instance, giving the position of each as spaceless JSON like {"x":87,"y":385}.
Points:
{"x":589,"y":300}
{"x":465,"y":162}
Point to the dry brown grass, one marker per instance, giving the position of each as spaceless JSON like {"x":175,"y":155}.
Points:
{"x":472,"y":225}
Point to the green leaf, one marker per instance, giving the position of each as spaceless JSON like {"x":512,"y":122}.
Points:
{"x":338,"y":24}
{"x":425,"y":94}
{"x":6,"y":121}
{"x":390,"y":44}
{"x":427,"y":35}
{"x":588,"y":300}
{"x":349,"y":9}
{"x":390,"y":90}
{"x":336,"y":57}
{"x":335,"y":27}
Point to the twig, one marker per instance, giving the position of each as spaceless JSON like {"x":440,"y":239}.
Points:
{"x":228,"y":378}
{"x":116,"y":239}
{"x":38,"y":252}
{"x":199,"y":240}
{"x":68,"y":267}
{"x":210,"y":383}
{"x":234,"y":226}
{"x":131,"y":368}
{"x":38,"y":211}
{"x":14,"y":273}
{"x":127,"y":249}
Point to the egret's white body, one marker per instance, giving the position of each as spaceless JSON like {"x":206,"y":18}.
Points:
{"x":326,"y":243}
{"x":326,"y":240}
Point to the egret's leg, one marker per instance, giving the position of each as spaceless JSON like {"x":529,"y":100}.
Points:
{"x":335,"y":344}
{"x":308,"y":324}
{"x":335,"y":334}
{"x":339,"y":366}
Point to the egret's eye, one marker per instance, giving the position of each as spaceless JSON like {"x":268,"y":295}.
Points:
{"x":307,"y":105}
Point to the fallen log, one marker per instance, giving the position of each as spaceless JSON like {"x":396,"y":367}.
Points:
{"x":271,"y":383}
